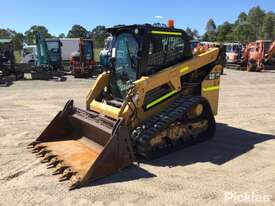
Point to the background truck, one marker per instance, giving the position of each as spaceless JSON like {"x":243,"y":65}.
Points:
{"x":69,"y":45}
{"x":28,"y":54}
{"x":82,"y":62}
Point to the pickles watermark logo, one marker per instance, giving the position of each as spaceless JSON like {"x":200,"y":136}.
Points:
{"x":247,"y":198}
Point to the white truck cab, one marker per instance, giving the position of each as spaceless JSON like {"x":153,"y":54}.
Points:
{"x":28,"y":54}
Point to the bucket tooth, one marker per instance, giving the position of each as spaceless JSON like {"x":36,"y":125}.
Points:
{"x":66,"y":176}
{"x":35,"y":150}
{"x":53,"y":163}
{"x":42,"y":153}
{"x":60,"y":170}
{"x":32,"y":145}
{"x":49,"y":165}
{"x":68,"y":173}
{"x":47,"y":158}
{"x":38,"y":149}
{"x":75,"y":185}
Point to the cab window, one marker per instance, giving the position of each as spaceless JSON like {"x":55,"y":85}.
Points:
{"x":164,"y":51}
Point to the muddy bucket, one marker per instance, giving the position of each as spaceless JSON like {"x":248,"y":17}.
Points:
{"x":83,"y":146}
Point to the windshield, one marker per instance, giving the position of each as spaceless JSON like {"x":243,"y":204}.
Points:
{"x":266,"y":46}
{"x":228,"y":48}
{"x":53,"y":49}
{"x":88,"y":51}
{"x":233,"y":48}
{"x":125,"y":69}
{"x":53,"y":46}
{"x":27,"y":51}
{"x":236,"y":48}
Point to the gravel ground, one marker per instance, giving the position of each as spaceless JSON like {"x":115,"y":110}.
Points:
{"x":239,"y":159}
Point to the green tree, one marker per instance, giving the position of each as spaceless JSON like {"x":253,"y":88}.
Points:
{"x":224,"y":32}
{"x":192,"y":33}
{"x":205,"y":37}
{"x":255,"y":18}
{"x":211,"y":26}
{"x":77,"y":31}
{"x":4,"y":34}
{"x":210,"y":36}
{"x":242,"y":17}
{"x":36,"y":28}
{"x":189,"y":32}
{"x":119,"y":25}
{"x":268,"y":26}
{"x":243,"y":32}
{"x":62,"y":35}
{"x":195,"y":34}
{"x":99,"y":34}
{"x":17,"y":40}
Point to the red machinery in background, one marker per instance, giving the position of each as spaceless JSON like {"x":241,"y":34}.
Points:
{"x":260,"y":55}
{"x":270,"y":55}
{"x":82,"y":61}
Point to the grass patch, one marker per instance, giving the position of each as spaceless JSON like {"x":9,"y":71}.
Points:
{"x":17,"y":54}
{"x":97,"y":53}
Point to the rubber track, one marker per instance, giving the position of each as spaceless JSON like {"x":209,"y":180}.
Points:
{"x":142,"y":135}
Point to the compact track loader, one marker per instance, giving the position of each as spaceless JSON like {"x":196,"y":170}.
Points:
{"x":156,"y":98}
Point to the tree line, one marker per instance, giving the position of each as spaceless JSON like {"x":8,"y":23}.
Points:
{"x":256,"y":24}
{"x":98,"y":34}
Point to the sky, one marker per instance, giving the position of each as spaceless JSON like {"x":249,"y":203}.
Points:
{"x":59,"y":15}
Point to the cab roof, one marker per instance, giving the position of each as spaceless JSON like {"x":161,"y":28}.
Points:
{"x":5,"y":40}
{"x":145,"y":29}
{"x":263,"y":41}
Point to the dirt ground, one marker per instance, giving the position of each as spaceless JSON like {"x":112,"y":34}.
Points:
{"x":240,"y":159}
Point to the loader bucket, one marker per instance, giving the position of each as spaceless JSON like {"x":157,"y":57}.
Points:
{"x":83,"y":146}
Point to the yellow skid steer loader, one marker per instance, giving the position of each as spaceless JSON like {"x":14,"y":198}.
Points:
{"x":155,"y":98}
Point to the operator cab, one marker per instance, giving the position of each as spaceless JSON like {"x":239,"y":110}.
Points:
{"x":54,"y":52}
{"x":88,"y":49}
{"x":142,"y":50}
